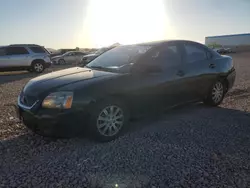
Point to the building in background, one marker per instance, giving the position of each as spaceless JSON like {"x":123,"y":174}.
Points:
{"x":238,"y":42}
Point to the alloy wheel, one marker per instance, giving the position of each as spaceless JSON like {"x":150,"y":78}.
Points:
{"x":38,"y":67}
{"x":110,"y":120}
{"x":217,"y":92}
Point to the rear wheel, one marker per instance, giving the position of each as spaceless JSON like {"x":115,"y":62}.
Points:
{"x":38,"y":66}
{"x":216,"y":94}
{"x":108,"y":120}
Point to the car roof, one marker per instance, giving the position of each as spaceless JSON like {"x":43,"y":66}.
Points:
{"x":26,"y":45}
{"x":71,"y":51}
{"x":157,"y":43}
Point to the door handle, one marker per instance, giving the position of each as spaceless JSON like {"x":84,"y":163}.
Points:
{"x":212,"y":65}
{"x":180,"y":73}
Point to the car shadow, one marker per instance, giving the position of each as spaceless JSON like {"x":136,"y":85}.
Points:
{"x":6,"y":77}
{"x":15,"y":76}
{"x":209,"y":133}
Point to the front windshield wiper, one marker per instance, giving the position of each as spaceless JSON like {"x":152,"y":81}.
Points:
{"x":99,"y":67}
{"x":95,"y":67}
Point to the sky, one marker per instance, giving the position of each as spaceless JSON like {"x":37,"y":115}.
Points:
{"x":97,"y":23}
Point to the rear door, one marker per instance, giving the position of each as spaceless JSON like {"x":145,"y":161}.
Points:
{"x":17,"y":56}
{"x":199,"y":67}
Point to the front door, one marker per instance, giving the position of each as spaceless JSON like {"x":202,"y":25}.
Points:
{"x":70,"y":57}
{"x":160,"y":83}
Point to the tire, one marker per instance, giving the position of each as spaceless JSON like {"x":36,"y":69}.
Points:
{"x":103,"y":126}
{"x":61,"y":62}
{"x":216,"y":94}
{"x":38,"y":66}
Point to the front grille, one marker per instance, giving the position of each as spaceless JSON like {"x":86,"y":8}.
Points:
{"x":27,"y":100}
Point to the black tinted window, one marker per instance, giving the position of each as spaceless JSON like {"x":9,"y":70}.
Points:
{"x":195,"y":53}
{"x":2,"y":52}
{"x":120,"y":56}
{"x":166,"y":56}
{"x":37,"y":49}
{"x":16,"y":51}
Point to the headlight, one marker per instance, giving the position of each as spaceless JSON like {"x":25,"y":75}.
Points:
{"x":62,"y":100}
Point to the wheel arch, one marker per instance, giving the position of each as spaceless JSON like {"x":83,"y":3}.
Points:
{"x":37,"y":60}
{"x":224,"y":80}
{"x":118,"y":97}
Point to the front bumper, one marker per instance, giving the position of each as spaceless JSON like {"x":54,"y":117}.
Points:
{"x":52,"y":122}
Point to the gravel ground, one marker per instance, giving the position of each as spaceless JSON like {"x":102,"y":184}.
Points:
{"x":192,"y":146}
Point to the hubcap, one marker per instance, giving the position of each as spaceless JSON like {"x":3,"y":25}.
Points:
{"x":38,"y":67}
{"x":217,"y":92}
{"x":110,"y":120}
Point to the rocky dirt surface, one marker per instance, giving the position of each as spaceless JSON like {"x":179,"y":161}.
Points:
{"x":192,"y":146}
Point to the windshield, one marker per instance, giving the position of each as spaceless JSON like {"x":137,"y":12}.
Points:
{"x":67,"y":53}
{"x":119,"y":57}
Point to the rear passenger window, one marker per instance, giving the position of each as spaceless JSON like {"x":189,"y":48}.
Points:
{"x":37,"y":49}
{"x":16,"y":51}
{"x":195,"y":53}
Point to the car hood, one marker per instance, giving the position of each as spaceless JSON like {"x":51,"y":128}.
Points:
{"x":52,"y":81}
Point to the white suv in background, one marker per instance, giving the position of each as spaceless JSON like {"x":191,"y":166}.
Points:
{"x":31,"y":57}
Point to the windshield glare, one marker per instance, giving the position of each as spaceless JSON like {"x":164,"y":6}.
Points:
{"x":119,"y":57}
{"x":102,"y":50}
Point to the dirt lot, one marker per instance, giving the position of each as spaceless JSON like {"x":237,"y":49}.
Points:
{"x":192,"y":146}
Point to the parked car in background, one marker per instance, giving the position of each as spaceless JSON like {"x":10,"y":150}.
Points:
{"x":224,"y":50}
{"x":121,"y":83}
{"x":31,"y":57}
{"x":228,"y":50}
{"x":87,"y":58}
{"x":216,"y":49}
{"x":60,"y":52}
{"x":72,"y":57}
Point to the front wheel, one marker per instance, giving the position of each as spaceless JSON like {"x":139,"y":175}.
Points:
{"x":108,"y":120}
{"x":216,"y":94}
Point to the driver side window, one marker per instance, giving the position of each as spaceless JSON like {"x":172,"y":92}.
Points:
{"x":166,"y":56}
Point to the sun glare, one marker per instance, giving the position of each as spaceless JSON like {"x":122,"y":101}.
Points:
{"x":125,"y":21}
